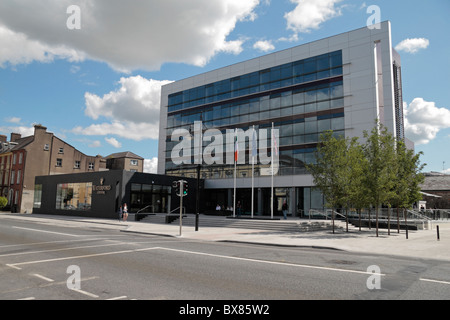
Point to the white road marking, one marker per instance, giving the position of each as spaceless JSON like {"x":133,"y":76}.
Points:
{"x":42,"y":277}
{"x":29,"y":298}
{"x":274,"y":262}
{"x":46,"y":242}
{"x":14,"y":265}
{"x":63,"y":249}
{"x":85,"y":293}
{"x":436,"y":281}
{"x":45,"y":231}
{"x":117,"y":298}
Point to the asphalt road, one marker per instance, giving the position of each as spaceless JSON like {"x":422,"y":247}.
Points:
{"x":69,"y":261}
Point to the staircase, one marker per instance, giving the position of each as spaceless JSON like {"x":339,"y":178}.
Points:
{"x":285,"y":226}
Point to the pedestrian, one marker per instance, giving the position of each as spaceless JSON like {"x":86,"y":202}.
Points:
{"x":285,"y":209}
{"x":238,"y":208}
{"x":125,"y":212}
{"x":120,"y":213}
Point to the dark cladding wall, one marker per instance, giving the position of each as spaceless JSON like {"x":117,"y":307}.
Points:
{"x":109,"y":190}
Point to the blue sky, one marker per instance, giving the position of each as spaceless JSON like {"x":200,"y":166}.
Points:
{"x":97,"y":84}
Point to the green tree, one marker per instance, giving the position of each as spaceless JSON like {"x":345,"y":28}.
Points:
{"x":408,"y":178}
{"x":379,"y":150}
{"x":3,"y":202}
{"x":357,"y":193}
{"x":337,"y":170}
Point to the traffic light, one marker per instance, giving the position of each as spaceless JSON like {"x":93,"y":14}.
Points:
{"x":176,"y":186}
{"x":185,"y":188}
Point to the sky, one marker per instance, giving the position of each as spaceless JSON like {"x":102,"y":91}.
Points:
{"x":92,"y":71}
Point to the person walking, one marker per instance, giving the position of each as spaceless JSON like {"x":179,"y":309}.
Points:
{"x":239,"y":208}
{"x":120,"y":213}
{"x":285,"y":209}
{"x":125,"y":212}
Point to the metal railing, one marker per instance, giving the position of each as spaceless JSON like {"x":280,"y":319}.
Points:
{"x":328,"y":214}
{"x":140,"y":210}
{"x":177,"y":209}
{"x":384,"y":213}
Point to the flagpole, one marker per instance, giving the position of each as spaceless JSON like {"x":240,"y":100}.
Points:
{"x":271,"y":198}
{"x":253,"y":166}
{"x":235,"y":160}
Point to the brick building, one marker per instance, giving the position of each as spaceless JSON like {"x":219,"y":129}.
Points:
{"x":43,"y":153}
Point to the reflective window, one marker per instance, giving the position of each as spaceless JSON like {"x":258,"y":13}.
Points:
{"x":74,"y":196}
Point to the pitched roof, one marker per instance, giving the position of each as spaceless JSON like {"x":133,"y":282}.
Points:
{"x":125,"y":154}
{"x":436,"y":182}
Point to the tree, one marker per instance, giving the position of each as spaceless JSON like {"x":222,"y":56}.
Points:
{"x":337,"y":170}
{"x":408,"y":179}
{"x":3,"y":202}
{"x":357,"y":193}
{"x":379,"y":150}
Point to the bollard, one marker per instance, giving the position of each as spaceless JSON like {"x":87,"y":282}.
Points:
{"x":437,"y":230}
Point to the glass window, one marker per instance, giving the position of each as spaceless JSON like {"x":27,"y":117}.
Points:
{"x":323,"y":94}
{"x":275,"y":103}
{"x":286,"y":71}
{"x":323,"y":62}
{"x":337,"y":91}
{"x":337,"y":123}
{"x":324,"y":125}
{"x":264,"y":76}
{"x":297,"y":68}
{"x":298,"y":109}
{"x":298,"y":139}
{"x":275,"y":113}
{"x":286,"y":112}
{"x":74,"y":196}
{"x":336,"y":59}
{"x":336,"y":103}
{"x":299,"y":128}
{"x":309,"y":77}
{"x":286,"y":130}
{"x":234,"y":111}
{"x":243,"y":109}
{"x":336,"y":71}
{"x":298,"y":98}
{"x":275,"y":74}
{"x":310,"y":127}
{"x":310,"y":107}
{"x":323,"y":105}
{"x":309,"y":65}
{"x":37,"y":196}
{"x":136,"y":187}
{"x":264,"y":103}
{"x":286,"y":99}
{"x":310,"y":96}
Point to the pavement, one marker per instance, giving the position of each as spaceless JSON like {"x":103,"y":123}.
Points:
{"x":420,"y":244}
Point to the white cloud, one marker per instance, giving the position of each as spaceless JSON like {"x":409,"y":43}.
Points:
{"x":412,"y":45}
{"x":16,"y":48}
{"x":132,"y":110}
{"x":14,"y":120}
{"x":309,"y":14}
{"x":127,"y":35}
{"x":95,"y":144}
{"x":137,"y":100}
{"x":24,"y":131}
{"x":151,"y":165}
{"x":423,"y":120}
{"x":264,"y":45}
{"x":113,"y":141}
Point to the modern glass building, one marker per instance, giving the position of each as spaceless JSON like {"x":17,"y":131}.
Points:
{"x":343,"y":83}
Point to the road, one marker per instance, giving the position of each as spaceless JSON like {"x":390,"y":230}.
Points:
{"x":69,"y":261}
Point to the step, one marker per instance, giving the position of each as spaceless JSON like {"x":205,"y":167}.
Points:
{"x":248,"y":223}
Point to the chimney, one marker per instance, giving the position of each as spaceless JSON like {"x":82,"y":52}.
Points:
{"x":3,"y":138}
{"x":15,"y":137}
